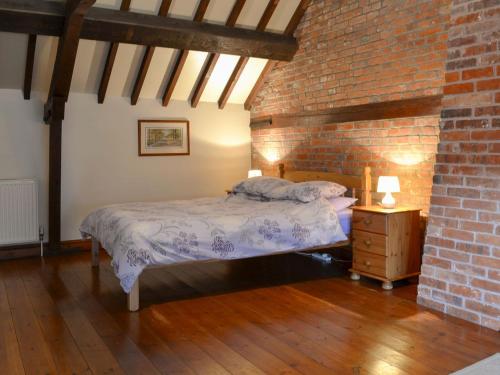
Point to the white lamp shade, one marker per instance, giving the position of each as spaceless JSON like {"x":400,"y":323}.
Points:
{"x":388,"y":184}
{"x":254,"y":173}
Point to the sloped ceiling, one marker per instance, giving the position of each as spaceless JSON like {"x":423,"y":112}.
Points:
{"x":92,"y":55}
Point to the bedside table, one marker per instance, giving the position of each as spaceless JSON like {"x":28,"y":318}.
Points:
{"x":386,"y":243}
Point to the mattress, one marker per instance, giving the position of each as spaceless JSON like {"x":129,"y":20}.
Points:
{"x":345,"y":220}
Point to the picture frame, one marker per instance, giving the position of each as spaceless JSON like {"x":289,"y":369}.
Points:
{"x":163,"y":137}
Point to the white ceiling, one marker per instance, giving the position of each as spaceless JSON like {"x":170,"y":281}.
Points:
{"x":91,"y":55}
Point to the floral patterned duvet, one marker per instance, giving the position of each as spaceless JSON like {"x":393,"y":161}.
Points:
{"x":138,"y":235}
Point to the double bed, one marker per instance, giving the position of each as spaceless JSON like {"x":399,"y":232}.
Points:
{"x":139,"y":236}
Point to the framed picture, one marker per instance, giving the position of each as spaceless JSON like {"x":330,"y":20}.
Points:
{"x":163,"y":137}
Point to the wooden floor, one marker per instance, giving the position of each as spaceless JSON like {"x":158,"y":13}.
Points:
{"x":277,"y":315}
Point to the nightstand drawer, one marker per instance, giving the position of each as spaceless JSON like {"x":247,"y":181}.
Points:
{"x":369,"y":221}
{"x":370,"y":263}
{"x":370,"y":242}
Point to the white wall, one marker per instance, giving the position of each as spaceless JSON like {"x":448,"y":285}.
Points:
{"x":99,"y":158}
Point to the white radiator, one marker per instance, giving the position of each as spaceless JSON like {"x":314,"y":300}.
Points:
{"x":18,"y":211}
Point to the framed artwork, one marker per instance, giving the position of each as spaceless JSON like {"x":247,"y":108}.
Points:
{"x":163,"y":137}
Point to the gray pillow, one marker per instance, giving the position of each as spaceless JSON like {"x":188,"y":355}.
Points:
{"x":308,"y":191}
{"x":260,"y":185}
{"x":311,"y":190}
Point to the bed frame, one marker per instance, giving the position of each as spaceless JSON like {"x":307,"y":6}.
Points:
{"x":358,"y":187}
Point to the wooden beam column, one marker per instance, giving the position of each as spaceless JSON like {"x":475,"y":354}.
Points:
{"x":212,"y":58}
{"x":181,"y":57}
{"x":242,"y":62}
{"x":30,"y":61}
{"x":290,"y":29}
{"x":55,"y":106}
{"x":110,"y":61}
{"x":146,"y":60}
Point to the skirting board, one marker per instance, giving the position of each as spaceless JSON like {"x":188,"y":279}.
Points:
{"x":33,"y":249}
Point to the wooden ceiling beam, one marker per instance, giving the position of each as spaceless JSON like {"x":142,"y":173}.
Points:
{"x":242,"y":62}
{"x":47,"y":18}
{"x":290,"y":29}
{"x":110,"y":61}
{"x":146,"y":59}
{"x":55,"y":106}
{"x":181,"y":57}
{"x":28,"y":71}
{"x":212,"y":58}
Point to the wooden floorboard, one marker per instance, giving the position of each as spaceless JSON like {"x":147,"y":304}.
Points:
{"x":284,"y":314}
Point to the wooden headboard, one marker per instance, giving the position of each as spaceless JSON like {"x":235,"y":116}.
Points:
{"x":359,"y":185}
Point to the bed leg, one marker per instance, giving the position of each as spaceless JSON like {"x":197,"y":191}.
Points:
{"x":95,"y":252}
{"x":133,"y":297}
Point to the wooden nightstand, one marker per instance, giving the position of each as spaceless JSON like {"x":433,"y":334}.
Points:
{"x":386,"y":243}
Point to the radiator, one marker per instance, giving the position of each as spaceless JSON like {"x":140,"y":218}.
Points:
{"x":18,"y":211}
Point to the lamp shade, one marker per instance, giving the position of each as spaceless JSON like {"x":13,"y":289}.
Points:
{"x":388,"y":184}
{"x":254,"y":173}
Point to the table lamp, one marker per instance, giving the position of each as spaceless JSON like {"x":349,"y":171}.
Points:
{"x":254,"y":173}
{"x":388,"y":185}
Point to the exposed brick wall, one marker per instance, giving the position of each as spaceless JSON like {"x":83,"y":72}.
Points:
{"x":360,"y":51}
{"x":461,"y":270}
{"x":357,"y":52}
{"x":402,"y":147}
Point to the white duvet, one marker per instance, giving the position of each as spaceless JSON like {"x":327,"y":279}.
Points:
{"x":138,"y":235}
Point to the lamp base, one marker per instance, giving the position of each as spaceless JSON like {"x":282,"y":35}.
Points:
{"x":388,"y":201}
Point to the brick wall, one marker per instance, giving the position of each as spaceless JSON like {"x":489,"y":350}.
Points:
{"x":357,"y":52}
{"x":461,"y":271}
{"x":403,"y":147}
{"x":360,"y":51}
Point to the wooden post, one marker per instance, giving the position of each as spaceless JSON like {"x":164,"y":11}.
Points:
{"x":55,"y":184}
{"x":282,"y":170}
{"x":95,"y":252}
{"x":28,"y":71}
{"x":133,"y":297}
{"x":366,"y":197}
{"x":55,"y":107}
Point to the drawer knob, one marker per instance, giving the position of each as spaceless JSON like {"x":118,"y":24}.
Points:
{"x":367,"y":263}
{"x":367,"y":221}
{"x":367,"y":242}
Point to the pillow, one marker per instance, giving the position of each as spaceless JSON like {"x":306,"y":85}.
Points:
{"x":262,"y":185}
{"x":341,"y":203}
{"x":311,"y":190}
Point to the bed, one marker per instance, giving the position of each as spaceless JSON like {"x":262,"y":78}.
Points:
{"x":139,"y":236}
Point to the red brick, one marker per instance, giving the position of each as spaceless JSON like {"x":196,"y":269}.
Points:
{"x":454,"y":255}
{"x":456,"y":234}
{"x":483,"y":308}
{"x":490,"y":262}
{"x":474,"y":226}
{"x":491,"y":84}
{"x":461,"y":214}
{"x":437,"y":262}
{"x":459,"y":88}
{"x":477,"y":73}
{"x":447,"y":298}
{"x":432,"y":282}
{"x":462,"y":314}
{"x":465,"y":291}
{"x":486,"y":285}
{"x":479,"y":204}
{"x":473,"y":248}
{"x":488,"y":239}
{"x":452,"y":77}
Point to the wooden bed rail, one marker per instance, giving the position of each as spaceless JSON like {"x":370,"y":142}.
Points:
{"x":361,"y":184}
